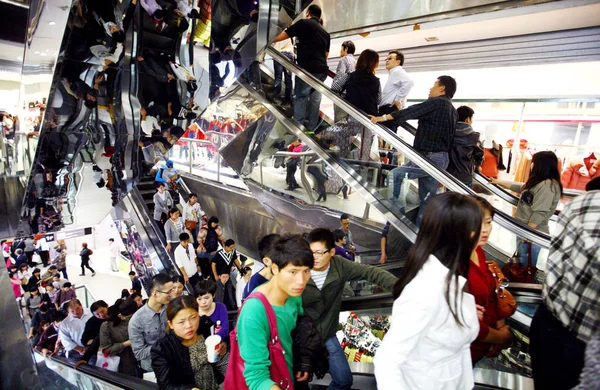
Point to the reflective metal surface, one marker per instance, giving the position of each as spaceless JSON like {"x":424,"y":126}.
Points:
{"x":441,"y":176}
{"x":17,"y":369}
{"x":366,"y":192}
{"x":344,"y":18}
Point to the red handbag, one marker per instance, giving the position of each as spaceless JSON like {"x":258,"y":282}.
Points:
{"x":518,"y":273}
{"x":234,"y":379}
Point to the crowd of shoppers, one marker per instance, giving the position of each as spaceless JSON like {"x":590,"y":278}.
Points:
{"x":445,"y":317}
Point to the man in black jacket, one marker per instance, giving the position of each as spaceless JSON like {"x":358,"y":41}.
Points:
{"x":312,"y":52}
{"x":466,"y":153}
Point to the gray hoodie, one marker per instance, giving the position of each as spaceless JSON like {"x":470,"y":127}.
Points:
{"x":466,"y":153}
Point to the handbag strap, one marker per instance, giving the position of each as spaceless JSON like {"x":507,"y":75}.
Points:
{"x":270,"y":313}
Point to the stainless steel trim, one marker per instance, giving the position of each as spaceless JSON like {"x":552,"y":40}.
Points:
{"x":266,"y":9}
{"x":441,"y":176}
{"x":370,"y":195}
{"x":196,"y":141}
{"x":87,"y":290}
{"x":582,"y":99}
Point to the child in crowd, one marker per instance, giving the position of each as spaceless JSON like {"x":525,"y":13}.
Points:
{"x":340,"y":241}
{"x":292,"y":260}
{"x":225,"y":293}
{"x":264,"y":275}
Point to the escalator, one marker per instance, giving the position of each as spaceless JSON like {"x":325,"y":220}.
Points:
{"x":362,"y":173}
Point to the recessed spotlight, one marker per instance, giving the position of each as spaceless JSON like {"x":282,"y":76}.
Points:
{"x":36,"y":52}
{"x":51,"y":23}
{"x":20,"y":58}
{"x":43,"y":54}
{"x":432,"y":39}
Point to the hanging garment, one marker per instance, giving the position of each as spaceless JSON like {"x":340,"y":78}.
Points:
{"x":579,"y":172}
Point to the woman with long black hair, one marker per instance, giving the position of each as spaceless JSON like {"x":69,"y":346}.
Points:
{"x":434,"y":318}
{"x":362,"y":89}
{"x":539,"y":197}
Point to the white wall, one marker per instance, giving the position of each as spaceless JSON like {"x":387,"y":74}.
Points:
{"x":578,"y":79}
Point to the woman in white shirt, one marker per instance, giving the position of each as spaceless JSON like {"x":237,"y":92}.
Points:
{"x":434,"y":320}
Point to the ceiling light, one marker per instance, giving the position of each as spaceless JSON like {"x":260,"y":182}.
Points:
{"x":36,"y":52}
{"x":20,"y":58}
{"x":432,"y":39}
{"x":43,"y":54}
{"x":51,"y":23}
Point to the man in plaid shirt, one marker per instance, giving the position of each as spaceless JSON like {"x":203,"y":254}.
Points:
{"x":435,"y":133}
{"x":570,"y":313}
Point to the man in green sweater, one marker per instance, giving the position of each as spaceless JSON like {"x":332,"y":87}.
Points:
{"x":322,"y":298}
{"x":291,"y":261}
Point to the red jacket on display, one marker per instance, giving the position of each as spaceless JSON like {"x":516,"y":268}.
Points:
{"x":579,"y":172}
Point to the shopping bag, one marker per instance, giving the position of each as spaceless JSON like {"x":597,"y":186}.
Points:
{"x":110,"y":363}
{"x":35,"y":258}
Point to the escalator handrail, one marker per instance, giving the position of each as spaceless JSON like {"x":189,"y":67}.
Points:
{"x":399,"y":221}
{"x":138,"y":203}
{"x":481,"y":179}
{"x":450,"y":182}
{"x":122,"y":381}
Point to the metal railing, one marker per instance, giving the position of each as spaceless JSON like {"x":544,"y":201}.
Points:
{"x":87,"y":298}
{"x":432,"y":170}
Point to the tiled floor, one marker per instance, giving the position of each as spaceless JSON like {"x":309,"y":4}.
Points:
{"x":106,"y":285}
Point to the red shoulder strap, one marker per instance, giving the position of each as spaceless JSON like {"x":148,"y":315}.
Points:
{"x":270,"y":313}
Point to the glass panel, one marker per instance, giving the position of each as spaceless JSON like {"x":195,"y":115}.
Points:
{"x":365,"y":160}
{"x":363,"y":331}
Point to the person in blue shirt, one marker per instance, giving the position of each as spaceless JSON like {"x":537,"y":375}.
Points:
{"x":264,"y":275}
{"x":164,"y":175}
{"x":340,"y":242}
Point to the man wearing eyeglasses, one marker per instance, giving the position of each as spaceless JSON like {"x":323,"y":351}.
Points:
{"x":322,"y":297}
{"x":148,"y":324}
{"x":396,"y":88}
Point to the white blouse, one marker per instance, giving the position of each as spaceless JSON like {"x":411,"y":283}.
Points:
{"x":425,"y":348}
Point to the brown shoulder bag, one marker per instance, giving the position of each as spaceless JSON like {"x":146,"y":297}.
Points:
{"x":506,"y":303}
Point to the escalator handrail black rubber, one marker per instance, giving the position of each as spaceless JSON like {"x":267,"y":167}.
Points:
{"x":497,"y":190}
{"x":122,"y":381}
{"x":519,"y":229}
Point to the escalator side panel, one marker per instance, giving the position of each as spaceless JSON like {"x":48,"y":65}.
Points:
{"x":17,"y":369}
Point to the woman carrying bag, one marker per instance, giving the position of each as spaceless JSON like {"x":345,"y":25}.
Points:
{"x":85,"y":259}
{"x":494,"y":335}
{"x":114,"y":338}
